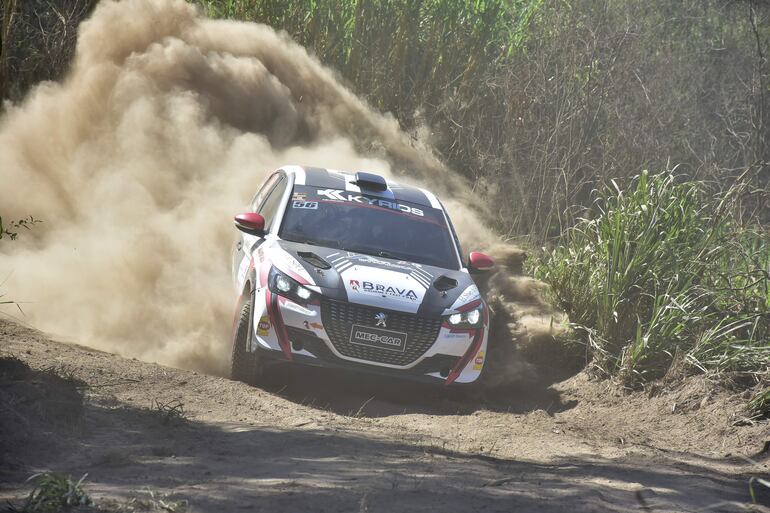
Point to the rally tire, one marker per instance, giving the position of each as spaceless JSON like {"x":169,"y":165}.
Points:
{"x":245,"y":366}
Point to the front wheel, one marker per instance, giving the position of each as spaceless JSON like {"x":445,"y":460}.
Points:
{"x":245,"y":366}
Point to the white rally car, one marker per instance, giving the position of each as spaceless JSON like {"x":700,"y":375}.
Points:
{"x":352,"y":271}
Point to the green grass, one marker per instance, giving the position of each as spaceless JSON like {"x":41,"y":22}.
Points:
{"x":662,"y":268}
{"x":53,"y":493}
{"x":149,"y":500}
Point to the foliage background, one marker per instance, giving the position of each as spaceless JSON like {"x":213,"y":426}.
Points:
{"x":552,"y":109}
{"x":537,"y":102}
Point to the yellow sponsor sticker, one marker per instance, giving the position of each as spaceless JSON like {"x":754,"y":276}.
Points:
{"x":264,"y":326}
{"x":479,"y":361}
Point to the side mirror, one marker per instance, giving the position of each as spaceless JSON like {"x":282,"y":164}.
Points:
{"x":479,"y":262}
{"x":251,"y":223}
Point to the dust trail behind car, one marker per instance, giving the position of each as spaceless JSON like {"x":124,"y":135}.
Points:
{"x":137,"y":161}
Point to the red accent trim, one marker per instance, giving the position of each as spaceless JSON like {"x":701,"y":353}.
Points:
{"x":469,"y":306}
{"x":250,"y":221}
{"x":470,"y":331}
{"x":480,"y":261}
{"x":300,"y":279}
{"x":274,"y":312}
{"x":470,"y":353}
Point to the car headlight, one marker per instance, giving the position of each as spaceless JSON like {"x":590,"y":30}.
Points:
{"x":469,"y":319}
{"x":288,"y":287}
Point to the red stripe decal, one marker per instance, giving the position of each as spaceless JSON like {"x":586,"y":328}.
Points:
{"x":300,"y":279}
{"x":274,"y":312}
{"x":452,"y":329}
{"x":469,"y":306}
{"x":470,"y":353}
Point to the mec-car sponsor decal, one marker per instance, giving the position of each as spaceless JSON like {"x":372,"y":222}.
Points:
{"x":375,"y":337}
{"x":338,"y":195}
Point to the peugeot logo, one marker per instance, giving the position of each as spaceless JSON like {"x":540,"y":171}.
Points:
{"x":382,"y":320}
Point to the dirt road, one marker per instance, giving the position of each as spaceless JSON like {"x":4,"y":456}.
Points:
{"x":313,"y":441}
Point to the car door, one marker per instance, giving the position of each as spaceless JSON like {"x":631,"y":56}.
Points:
{"x":246,"y":244}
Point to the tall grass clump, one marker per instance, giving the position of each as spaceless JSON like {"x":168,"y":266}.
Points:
{"x":54,"y":493}
{"x":662,"y":272}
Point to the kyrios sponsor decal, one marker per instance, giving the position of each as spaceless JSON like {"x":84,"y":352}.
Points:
{"x":338,"y":195}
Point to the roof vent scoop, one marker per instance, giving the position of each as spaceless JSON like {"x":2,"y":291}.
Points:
{"x":370,"y":181}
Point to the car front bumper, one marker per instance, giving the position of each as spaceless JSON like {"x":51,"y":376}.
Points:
{"x":313,"y":335}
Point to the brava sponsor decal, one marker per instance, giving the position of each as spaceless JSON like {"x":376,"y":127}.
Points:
{"x":338,"y":195}
{"x":383,"y":290}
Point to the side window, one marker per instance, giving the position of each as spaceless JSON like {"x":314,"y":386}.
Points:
{"x":270,"y":206}
{"x":263,"y":192}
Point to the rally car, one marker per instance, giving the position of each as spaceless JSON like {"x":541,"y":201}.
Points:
{"x":352,"y":271}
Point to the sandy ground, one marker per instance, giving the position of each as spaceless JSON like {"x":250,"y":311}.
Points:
{"x":317,"y":441}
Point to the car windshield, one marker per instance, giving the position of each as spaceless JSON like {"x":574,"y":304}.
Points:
{"x":368,"y":224}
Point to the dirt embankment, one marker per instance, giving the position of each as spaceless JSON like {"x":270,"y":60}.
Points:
{"x":317,"y":441}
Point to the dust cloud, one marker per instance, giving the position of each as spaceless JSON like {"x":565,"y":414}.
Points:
{"x":136,"y":162}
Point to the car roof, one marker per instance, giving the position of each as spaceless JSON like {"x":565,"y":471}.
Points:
{"x":333,"y":179}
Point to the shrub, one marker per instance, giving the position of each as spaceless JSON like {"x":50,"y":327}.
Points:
{"x":55,"y":492}
{"x":659,"y":270}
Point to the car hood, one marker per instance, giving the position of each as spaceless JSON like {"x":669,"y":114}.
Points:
{"x":379,"y":282}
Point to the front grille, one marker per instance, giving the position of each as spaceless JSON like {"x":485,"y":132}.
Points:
{"x":339,"y":317}
{"x":309,"y":341}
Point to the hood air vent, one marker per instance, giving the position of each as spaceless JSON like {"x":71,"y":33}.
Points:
{"x":444,"y":283}
{"x":314,"y":260}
